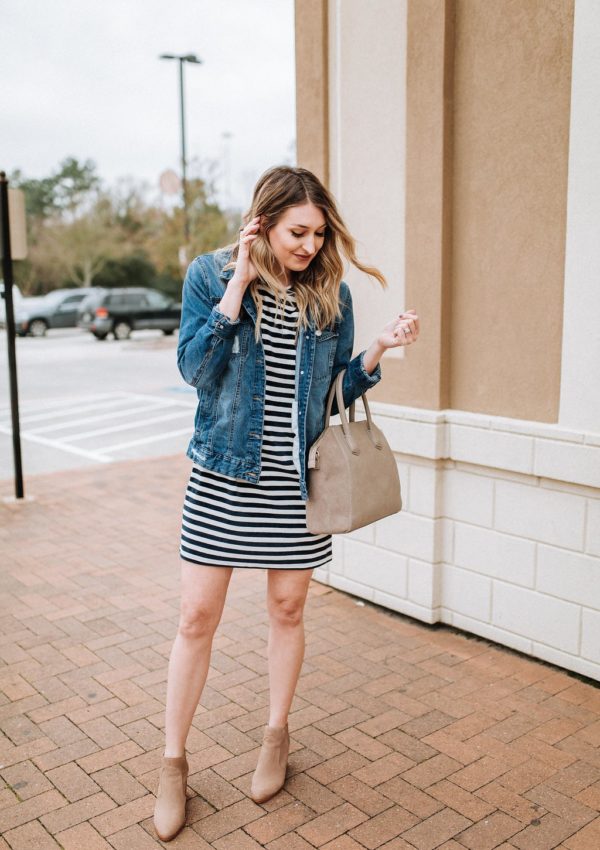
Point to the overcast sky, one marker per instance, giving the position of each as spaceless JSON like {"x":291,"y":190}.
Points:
{"x":82,"y":78}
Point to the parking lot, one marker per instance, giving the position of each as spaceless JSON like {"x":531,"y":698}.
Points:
{"x":86,"y":402}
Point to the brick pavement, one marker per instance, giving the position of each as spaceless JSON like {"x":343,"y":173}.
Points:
{"x":403,"y":735}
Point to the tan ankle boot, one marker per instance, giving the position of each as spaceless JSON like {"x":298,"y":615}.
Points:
{"x":269,"y":775}
{"x":169,"y":810}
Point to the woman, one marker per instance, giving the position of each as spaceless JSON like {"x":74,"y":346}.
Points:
{"x":266,"y":326}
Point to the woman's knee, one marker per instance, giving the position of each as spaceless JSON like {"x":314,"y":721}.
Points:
{"x":197,"y":620}
{"x":203,"y":591}
{"x":286,"y":611}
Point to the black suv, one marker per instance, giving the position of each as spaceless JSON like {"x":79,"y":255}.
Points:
{"x":120,"y":311}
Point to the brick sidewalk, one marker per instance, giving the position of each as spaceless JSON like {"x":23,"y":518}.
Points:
{"x":404,"y":736}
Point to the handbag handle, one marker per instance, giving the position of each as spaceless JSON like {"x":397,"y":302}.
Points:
{"x":336,"y":388}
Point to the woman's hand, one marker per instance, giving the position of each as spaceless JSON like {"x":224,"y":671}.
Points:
{"x":245,"y":271}
{"x":402,"y":330}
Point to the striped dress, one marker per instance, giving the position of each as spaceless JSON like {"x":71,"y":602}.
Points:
{"x":233,"y":523}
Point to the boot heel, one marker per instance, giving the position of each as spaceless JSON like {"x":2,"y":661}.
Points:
{"x":269,"y":776}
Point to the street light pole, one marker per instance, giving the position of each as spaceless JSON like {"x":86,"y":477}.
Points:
{"x":186,"y":217}
{"x":193,"y":59}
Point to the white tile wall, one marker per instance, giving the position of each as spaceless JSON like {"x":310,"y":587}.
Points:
{"x":543,"y":618}
{"x":494,"y":554}
{"x":468,"y":497}
{"x":590,"y":635}
{"x":499,"y":533}
{"x":486,"y":630}
{"x":405,"y":606}
{"x":407,"y":533}
{"x":445,"y":530}
{"x":546,"y":515}
{"x":569,"y":575}
{"x":491,"y":448}
{"x":423,"y":485}
{"x":423,"y":438}
{"x":375,"y":567}
{"x":563,"y":659}
{"x":567,"y":462}
{"x":592,"y":540}
{"x":466,"y":592}
{"x":423,"y":583}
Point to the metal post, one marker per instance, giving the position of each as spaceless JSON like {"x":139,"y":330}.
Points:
{"x":186,"y":218}
{"x":188,"y":57}
{"x":7,"y":272}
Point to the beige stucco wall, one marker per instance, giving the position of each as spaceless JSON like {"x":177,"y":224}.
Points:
{"x":312,"y":118}
{"x":423,"y":380}
{"x":512,"y":79}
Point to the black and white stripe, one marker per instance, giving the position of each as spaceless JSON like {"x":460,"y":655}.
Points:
{"x":229,"y":522}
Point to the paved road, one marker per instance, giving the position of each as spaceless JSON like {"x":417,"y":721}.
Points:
{"x":86,"y":402}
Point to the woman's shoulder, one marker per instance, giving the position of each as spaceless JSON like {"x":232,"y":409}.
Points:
{"x":345,"y":295}
{"x":215,"y":259}
{"x":210,"y":264}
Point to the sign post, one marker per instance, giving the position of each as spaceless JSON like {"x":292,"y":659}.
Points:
{"x":12,"y":231}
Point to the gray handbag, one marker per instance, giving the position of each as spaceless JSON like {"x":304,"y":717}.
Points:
{"x":353,"y":477}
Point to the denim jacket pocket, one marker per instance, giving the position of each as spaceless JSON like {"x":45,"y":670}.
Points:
{"x":325,"y":345}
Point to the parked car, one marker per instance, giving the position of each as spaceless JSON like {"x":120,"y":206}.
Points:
{"x":121,"y":311}
{"x":17,"y":298}
{"x":56,"y":309}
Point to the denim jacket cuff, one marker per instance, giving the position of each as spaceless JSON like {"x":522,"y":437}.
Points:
{"x":372,"y":378}
{"x":221,"y":325}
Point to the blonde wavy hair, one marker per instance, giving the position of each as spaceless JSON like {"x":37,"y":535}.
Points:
{"x":317,"y":286}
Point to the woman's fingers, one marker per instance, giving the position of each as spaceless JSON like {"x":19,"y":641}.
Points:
{"x":411,"y":315}
{"x":252,"y":225}
{"x":411,"y":320}
{"x":410,"y":326}
{"x":248,"y":234}
{"x":406,"y":328}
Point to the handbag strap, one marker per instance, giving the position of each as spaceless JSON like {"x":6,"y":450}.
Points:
{"x":336,"y":388}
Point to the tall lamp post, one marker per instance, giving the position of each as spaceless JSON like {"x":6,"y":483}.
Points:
{"x":193,"y":59}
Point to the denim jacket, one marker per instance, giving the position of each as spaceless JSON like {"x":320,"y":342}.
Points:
{"x":223,"y":361}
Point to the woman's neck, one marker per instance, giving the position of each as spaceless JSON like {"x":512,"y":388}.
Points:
{"x":284,"y":283}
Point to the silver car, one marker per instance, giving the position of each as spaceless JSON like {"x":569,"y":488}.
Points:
{"x":56,"y":309}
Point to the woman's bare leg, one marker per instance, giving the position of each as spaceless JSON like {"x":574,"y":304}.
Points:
{"x":286,"y":595}
{"x":203,"y":592}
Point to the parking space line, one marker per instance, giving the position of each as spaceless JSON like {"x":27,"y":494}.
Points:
{"x":131,"y":425}
{"x":151,"y":439}
{"x":114,"y":414}
{"x":190,"y":405}
{"x":66,"y":411}
{"x":106,"y":406}
{"x":58,"y":444}
{"x":51,"y":402}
